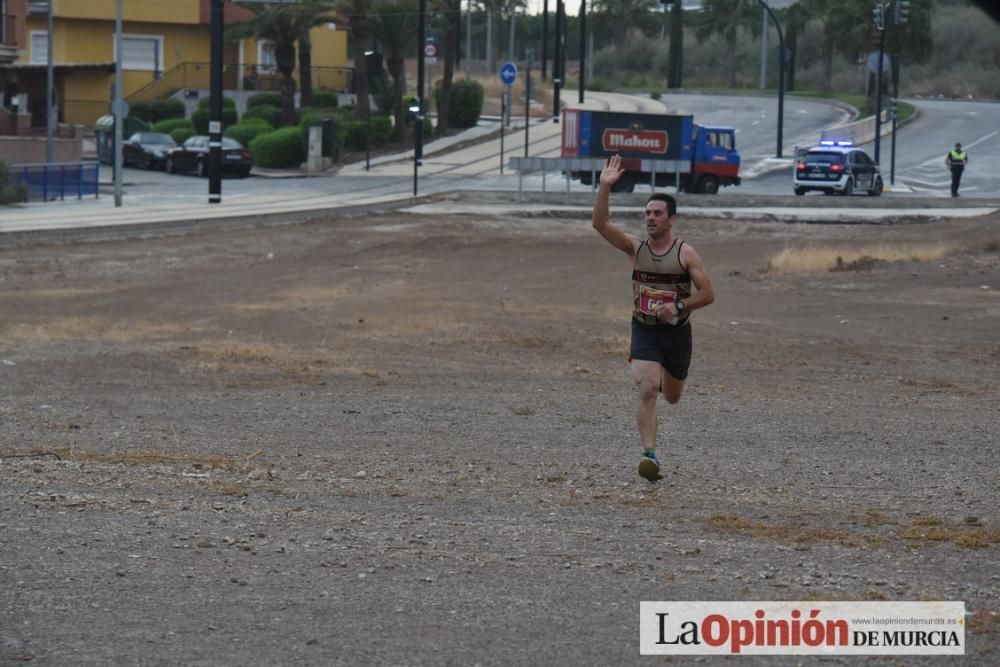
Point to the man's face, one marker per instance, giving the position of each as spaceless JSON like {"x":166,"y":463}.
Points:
{"x":658,"y":221}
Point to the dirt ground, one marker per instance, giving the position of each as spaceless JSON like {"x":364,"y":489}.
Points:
{"x":410,"y":440}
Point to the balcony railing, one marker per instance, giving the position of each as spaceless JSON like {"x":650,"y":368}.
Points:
{"x":188,"y":76}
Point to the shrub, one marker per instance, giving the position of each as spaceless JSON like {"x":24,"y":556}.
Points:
{"x":466,"y":103}
{"x":133,"y":125}
{"x":248,"y":130}
{"x":264,"y":99}
{"x":355,"y":132}
{"x":172,"y":124}
{"x":227,"y":102}
{"x":182,"y":134}
{"x":269,"y":114}
{"x":168,"y":108}
{"x":143,"y":110}
{"x":325,"y":99}
{"x":199,"y":119}
{"x":280,"y":148}
{"x":10,"y":192}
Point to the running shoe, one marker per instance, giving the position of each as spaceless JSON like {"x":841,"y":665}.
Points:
{"x":649,"y":467}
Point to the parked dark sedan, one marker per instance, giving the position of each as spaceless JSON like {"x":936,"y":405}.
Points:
{"x":192,"y":155}
{"x":147,"y":149}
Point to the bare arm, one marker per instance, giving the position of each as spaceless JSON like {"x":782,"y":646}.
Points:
{"x":614,"y":235}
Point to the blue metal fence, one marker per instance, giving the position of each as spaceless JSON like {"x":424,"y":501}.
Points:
{"x":56,"y":180}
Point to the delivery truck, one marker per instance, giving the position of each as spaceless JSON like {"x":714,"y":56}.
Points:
{"x":658,"y":149}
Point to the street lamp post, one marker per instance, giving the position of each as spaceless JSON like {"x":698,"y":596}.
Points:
{"x":781,"y":75}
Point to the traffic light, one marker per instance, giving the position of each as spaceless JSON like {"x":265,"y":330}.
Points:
{"x":878,"y":15}
{"x":902,"y":11}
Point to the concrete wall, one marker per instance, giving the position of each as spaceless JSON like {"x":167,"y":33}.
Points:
{"x":30,"y":150}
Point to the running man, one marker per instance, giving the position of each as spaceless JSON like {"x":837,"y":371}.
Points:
{"x":664,"y":268}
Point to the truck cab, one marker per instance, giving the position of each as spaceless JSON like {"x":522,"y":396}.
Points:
{"x":716,"y":162}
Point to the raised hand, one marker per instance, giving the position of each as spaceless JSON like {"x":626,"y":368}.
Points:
{"x":612,"y":171}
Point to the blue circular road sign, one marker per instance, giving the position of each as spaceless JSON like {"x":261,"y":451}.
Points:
{"x":508,"y":73}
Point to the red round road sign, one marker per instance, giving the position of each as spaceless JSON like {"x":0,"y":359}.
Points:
{"x":430,"y":49}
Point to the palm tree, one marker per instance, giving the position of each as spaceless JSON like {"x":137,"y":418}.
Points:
{"x":355,"y":14}
{"x":283,"y":26}
{"x":395,"y":27}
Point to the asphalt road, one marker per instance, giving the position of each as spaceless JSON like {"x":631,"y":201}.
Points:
{"x":921,"y":146}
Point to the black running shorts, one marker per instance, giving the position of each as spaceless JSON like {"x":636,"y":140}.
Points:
{"x":667,"y":345}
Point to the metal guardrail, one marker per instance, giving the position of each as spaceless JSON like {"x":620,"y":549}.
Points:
{"x":56,"y":180}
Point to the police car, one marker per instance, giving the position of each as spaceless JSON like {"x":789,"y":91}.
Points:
{"x":836,"y":167}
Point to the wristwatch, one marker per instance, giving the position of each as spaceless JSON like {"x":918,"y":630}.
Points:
{"x":679,"y":305}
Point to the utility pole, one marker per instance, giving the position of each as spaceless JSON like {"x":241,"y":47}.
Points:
{"x":50,"y":97}
{"x":557,"y":62}
{"x":215,"y":107}
{"x":781,"y":75}
{"x":418,"y":148}
{"x":901,"y":16}
{"x":583,"y":47}
{"x":878,"y":15}
{"x":118,"y":108}
{"x":545,"y":38}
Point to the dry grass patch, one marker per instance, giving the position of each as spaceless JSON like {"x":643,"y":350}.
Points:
{"x":88,"y":329}
{"x":933,"y":529}
{"x":819,"y":259}
{"x":800,"y":533}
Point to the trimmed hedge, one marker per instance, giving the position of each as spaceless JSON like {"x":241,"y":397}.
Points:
{"x":248,"y":130}
{"x":325,"y":99}
{"x":278,"y":149}
{"x":356,"y":131}
{"x":168,"y":108}
{"x":466,"y":105}
{"x":269,"y":114}
{"x":199,"y":119}
{"x":182,"y":134}
{"x":264,"y":99}
{"x":227,"y":102}
{"x":172,"y":124}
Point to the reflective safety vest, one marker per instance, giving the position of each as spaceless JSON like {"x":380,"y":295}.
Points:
{"x":957,"y":158}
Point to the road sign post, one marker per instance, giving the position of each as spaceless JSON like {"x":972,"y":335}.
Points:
{"x":508,"y":75}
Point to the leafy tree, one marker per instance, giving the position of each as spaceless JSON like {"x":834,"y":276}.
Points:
{"x":624,"y":16}
{"x":726,"y":18}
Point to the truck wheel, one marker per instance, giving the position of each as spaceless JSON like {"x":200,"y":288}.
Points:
{"x":800,"y":191}
{"x":625,"y":184}
{"x":708,"y":185}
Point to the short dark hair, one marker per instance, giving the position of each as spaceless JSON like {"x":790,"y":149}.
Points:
{"x":664,"y":197}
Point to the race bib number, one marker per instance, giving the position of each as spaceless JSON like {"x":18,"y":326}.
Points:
{"x":650,"y":299}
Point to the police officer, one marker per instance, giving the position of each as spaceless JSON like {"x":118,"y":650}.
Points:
{"x":956,"y":161}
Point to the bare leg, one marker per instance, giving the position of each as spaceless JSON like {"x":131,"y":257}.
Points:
{"x":672,"y":388}
{"x":647,"y":376}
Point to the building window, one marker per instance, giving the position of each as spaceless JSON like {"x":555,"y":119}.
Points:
{"x":265,"y":56}
{"x":142,"y":52}
{"x":39,"y":47}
